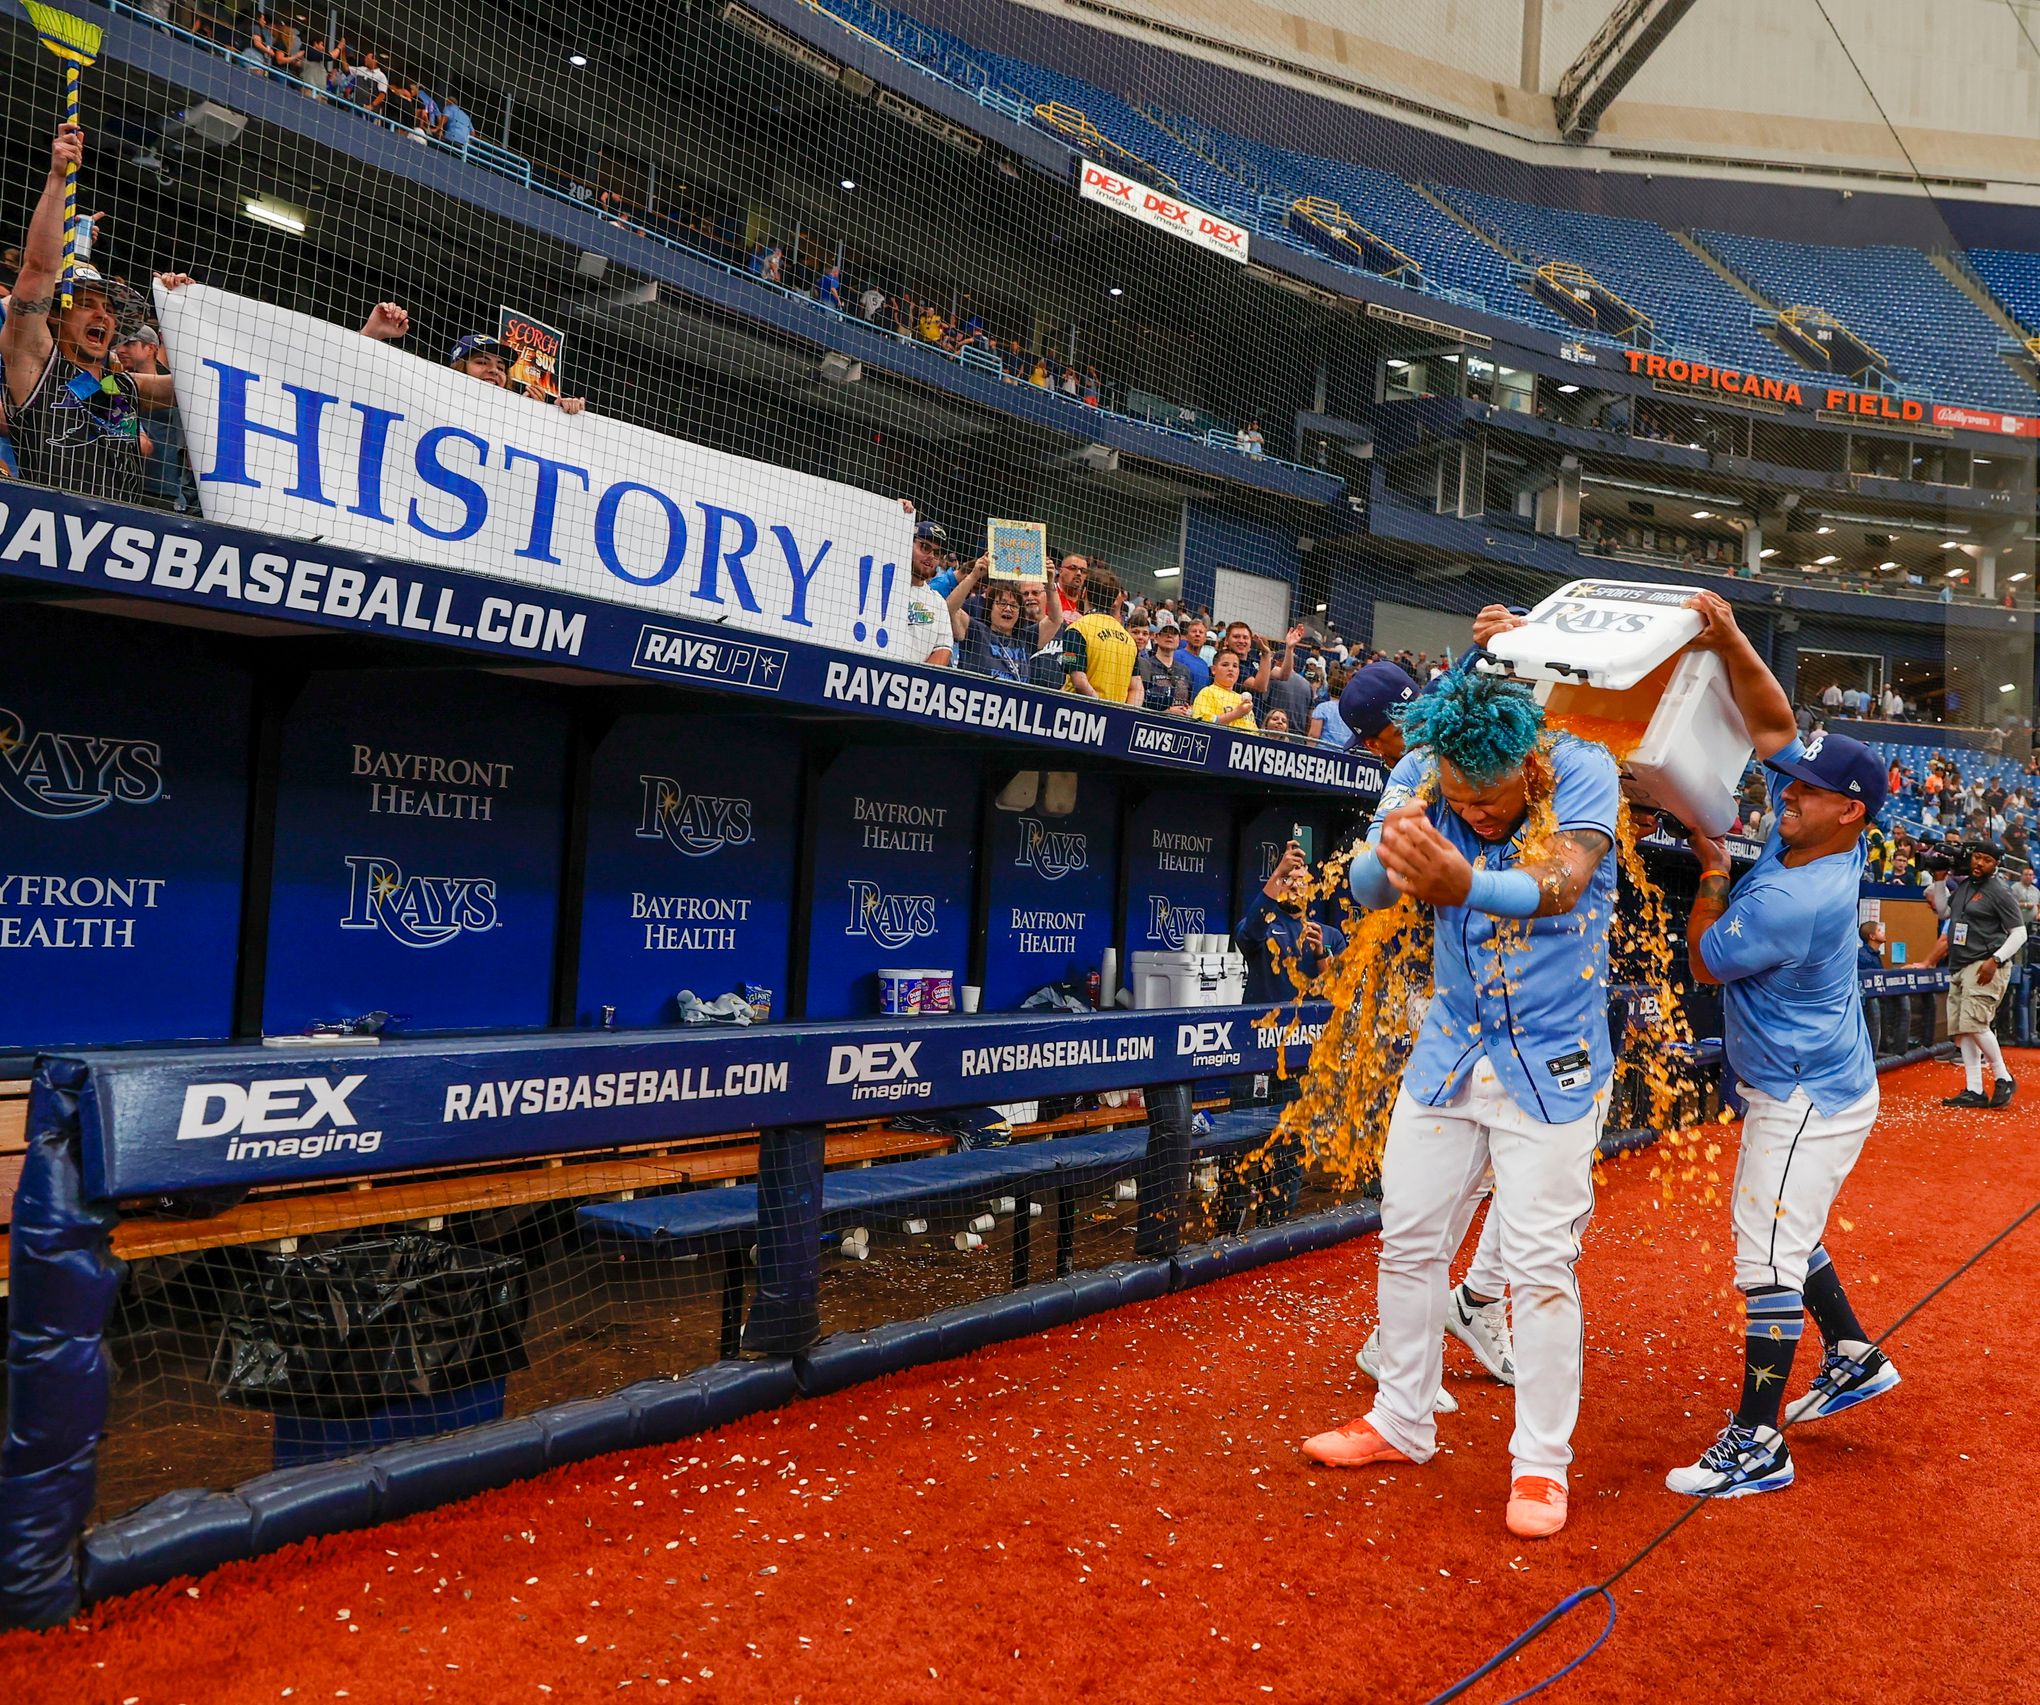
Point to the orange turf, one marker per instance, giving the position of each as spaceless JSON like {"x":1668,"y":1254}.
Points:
{"x":1118,"y":1511}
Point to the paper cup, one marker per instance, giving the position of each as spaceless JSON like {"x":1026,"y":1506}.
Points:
{"x":969,"y":994}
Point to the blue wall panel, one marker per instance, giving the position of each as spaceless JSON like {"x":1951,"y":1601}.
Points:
{"x":123,"y":814}
{"x":692,"y":842}
{"x":895,"y":839}
{"x":1179,"y":864}
{"x":419,"y":826}
{"x":1051,"y":884}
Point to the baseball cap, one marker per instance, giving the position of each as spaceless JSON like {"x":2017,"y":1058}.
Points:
{"x":1164,"y":619}
{"x":1985,"y":845}
{"x":1837,"y":764}
{"x":1370,"y":695}
{"x":482,"y":343}
{"x":932,"y":530}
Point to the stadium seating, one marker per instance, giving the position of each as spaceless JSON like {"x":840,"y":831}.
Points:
{"x":1641,"y":262}
{"x":1933,"y":336}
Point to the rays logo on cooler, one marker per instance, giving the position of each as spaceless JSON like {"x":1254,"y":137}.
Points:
{"x":891,"y":920}
{"x":1052,"y":853}
{"x":1172,"y":925}
{"x":693,"y":823}
{"x":61,"y":776}
{"x":417,"y":911}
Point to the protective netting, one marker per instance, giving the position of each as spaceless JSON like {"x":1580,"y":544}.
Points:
{"x":1261,"y":342}
{"x":298,"y":1328}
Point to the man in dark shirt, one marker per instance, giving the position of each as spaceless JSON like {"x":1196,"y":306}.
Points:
{"x":1161,"y":670}
{"x":1980,"y":938}
{"x":1278,"y":936}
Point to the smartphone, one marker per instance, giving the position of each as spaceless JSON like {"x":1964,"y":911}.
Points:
{"x":1300,"y":833}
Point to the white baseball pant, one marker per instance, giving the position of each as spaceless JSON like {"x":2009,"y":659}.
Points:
{"x":1431,"y":1174}
{"x":1790,"y":1170}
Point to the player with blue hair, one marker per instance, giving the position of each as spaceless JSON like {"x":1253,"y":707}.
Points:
{"x":1507,"y":832}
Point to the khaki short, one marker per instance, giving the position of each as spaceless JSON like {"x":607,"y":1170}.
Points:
{"x":1972,"y":1004}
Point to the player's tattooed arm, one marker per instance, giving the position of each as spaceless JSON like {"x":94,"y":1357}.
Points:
{"x":1708,"y":904}
{"x":1566,"y":869}
{"x":31,"y":304}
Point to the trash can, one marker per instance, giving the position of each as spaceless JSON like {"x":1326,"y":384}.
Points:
{"x":349,"y":1332}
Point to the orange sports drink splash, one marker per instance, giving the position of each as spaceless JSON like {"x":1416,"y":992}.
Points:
{"x":1610,"y":663}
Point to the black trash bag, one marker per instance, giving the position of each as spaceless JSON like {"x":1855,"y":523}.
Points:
{"x":353,"y":1329}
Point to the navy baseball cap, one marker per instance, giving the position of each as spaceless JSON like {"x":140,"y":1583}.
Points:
{"x":933,"y":531}
{"x":1370,"y":694}
{"x":1837,"y":764}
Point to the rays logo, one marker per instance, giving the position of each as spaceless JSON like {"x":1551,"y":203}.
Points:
{"x":1173,"y":925}
{"x":1052,"y":853}
{"x":693,"y":823}
{"x":1813,"y":746}
{"x":1577,"y":618}
{"x":418,"y":911}
{"x":891,"y":920}
{"x":61,"y":776}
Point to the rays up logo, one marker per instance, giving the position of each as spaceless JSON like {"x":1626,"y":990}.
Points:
{"x":891,"y":920}
{"x":417,"y":911}
{"x":1052,"y":853}
{"x":61,"y":776}
{"x":1172,"y":925}
{"x":693,"y":823}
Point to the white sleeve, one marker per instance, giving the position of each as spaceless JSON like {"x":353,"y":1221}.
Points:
{"x":2013,"y":942}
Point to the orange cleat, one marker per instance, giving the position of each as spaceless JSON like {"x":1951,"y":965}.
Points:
{"x":1536,"y":1507}
{"x":1354,"y":1445}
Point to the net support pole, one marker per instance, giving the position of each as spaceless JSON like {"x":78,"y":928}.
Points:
{"x":63,"y":1279}
{"x":786,"y":1313}
{"x":1164,"y":1172}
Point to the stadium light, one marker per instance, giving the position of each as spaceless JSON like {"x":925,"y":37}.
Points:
{"x":1955,"y":574}
{"x":1887,"y":565}
{"x":1823,"y":529}
{"x":1825,"y":560}
{"x":1703,"y":515}
{"x":2009,"y":687}
{"x":279,"y":217}
{"x":1322,"y":608}
{"x":2015,"y":579}
{"x":847,"y":183}
{"x":1167,"y":573}
{"x":1567,"y":390}
{"x":577,"y":60}
{"x":1115,"y":291}
{"x":1950,"y":544}
{"x":1768,"y":551}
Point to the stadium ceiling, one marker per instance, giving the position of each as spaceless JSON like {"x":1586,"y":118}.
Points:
{"x":1618,"y":50}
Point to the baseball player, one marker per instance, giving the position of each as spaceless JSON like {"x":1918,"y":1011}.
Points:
{"x":1475,"y":1312}
{"x":1783,"y":945}
{"x":1980,"y":939}
{"x":1510,"y":1065}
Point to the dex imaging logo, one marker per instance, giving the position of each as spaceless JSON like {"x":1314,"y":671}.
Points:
{"x":417,"y":911}
{"x":879,"y":1071}
{"x":692,"y":823}
{"x":1173,"y":925}
{"x":891,"y":920}
{"x":1209,"y":1044}
{"x":277,"y":1118}
{"x":1052,"y":853}
{"x":61,"y":776}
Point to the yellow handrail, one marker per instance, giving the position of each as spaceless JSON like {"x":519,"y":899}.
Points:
{"x":1329,"y":216}
{"x":1805,"y":314}
{"x":1073,"y":121}
{"x":1572,"y":276}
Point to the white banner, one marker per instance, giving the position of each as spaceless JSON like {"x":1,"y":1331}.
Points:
{"x":308,"y":431}
{"x":1164,"y":213}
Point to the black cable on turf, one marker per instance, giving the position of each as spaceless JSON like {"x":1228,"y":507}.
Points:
{"x":1693,"y":1508}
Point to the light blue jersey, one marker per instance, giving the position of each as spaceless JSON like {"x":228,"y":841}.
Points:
{"x":1531,"y":993}
{"x":1785,"y":951}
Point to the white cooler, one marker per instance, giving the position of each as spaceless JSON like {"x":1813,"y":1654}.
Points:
{"x":1189,"y":978}
{"x":1615,"y":653}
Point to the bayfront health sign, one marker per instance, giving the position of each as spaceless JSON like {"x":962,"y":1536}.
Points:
{"x":309,"y":432}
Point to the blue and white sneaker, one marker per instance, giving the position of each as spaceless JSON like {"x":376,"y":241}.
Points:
{"x":1842,"y":1383}
{"x":1742,"y":1460}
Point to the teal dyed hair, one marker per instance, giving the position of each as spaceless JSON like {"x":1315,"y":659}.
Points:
{"x":1484,"y":725}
